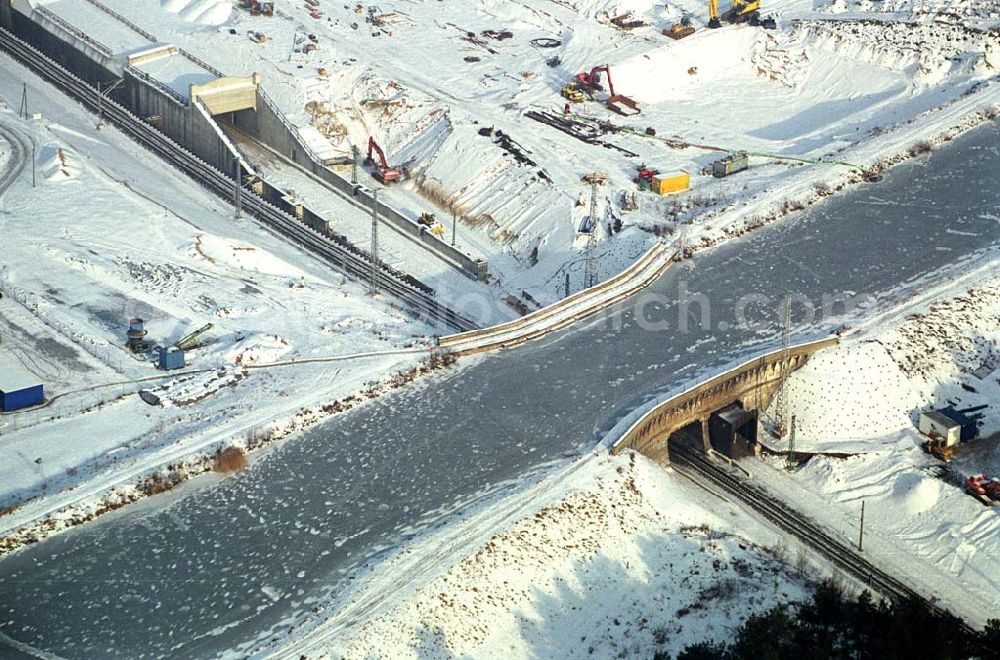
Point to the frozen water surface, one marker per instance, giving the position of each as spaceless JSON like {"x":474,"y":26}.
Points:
{"x":225,"y":564}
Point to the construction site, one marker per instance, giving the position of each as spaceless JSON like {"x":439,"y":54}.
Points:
{"x":472,"y":314}
{"x":487,"y":116}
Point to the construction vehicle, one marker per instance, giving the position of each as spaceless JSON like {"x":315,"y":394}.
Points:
{"x":937,"y":446}
{"x":984,"y":489}
{"x":191,"y":340}
{"x":680,"y":30}
{"x":258,"y":7}
{"x":382,"y":171}
{"x":258,"y":37}
{"x":740,"y":11}
{"x":644,"y":178}
{"x":591,"y":82}
{"x":571,"y":92}
{"x":430,"y":221}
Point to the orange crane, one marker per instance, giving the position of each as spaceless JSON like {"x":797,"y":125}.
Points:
{"x":617,"y":102}
{"x":382,"y":171}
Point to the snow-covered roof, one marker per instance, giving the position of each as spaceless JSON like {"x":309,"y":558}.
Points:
{"x":97,"y":25}
{"x":12,"y":377}
{"x":940,"y":418}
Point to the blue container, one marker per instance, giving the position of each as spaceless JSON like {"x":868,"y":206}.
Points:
{"x":170,"y":358}
{"x":18,"y":399}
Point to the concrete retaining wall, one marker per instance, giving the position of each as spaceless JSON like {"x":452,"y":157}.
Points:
{"x":646,"y":270}
{"x":181,"y":121}
{"x":85,"y":59}
{"x":269,"y":127}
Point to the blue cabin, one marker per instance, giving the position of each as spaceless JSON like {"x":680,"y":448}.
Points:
{"x":19,"y":390}
{"x":170,"y":358}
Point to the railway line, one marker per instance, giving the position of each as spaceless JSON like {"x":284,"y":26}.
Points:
{"x":695,"y":465}
{"x":416,"y":297}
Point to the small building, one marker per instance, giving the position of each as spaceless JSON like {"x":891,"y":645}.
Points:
{"x":19,"y":390}
{"x":665,"y":184}
{"x":966,"y":422}
{"x":731,"y":164}
{"x":170,"y":358}
{"x":940,"y":423}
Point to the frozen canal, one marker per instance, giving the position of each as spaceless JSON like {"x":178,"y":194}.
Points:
{"x":224,"y":565}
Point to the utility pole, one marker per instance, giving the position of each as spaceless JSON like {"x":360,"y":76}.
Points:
{"x":34,"y":160}
{"x":567,"y":285}
{"x":354,"y":164}
{"x":238,"y":191}
{"x":100,"y":106}
{"x":790,"y":461}
{"x":23,"y":113}
{"x":100,"y":99}
{"x":374,"y":282}
{"x":861,"y":531}
{"x":591,"y":273}
{"x":454,"y":227}
{"x":783,"y":386}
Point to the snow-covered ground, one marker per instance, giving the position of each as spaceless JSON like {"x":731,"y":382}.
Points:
{"x":611,"y":557}
{"x":864,"y":398}
{"x":110,"y":233}
{"x":856,"y":82}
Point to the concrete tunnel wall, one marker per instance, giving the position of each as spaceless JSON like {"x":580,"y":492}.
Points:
{"x":756,"y":380}
{"x":74,"y":55}
{"x":183,"y":123}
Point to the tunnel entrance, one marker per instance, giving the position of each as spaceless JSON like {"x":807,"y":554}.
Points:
{"x":732,"y":431}
{"x":686,"y":439}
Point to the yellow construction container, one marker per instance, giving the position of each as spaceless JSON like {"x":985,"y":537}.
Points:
{"x":671,"y":183}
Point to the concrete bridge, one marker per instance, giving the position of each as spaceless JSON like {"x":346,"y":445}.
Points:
{"x":752,"y":385}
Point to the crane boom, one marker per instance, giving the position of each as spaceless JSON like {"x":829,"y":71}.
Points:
{"x":713,"y":14}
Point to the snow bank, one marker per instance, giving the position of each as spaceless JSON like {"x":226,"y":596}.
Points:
{"x":850,"y":398}
{"x":664,"y":74}
{"x":205,"y":12}
{"x":862,"y":394}
{"x":243,"y":256}
{"x":627,"y":564}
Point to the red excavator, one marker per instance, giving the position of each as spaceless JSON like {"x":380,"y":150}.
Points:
{"x":984,"y":489}
{"x":591,"y":82}
{"x":382,"y":171}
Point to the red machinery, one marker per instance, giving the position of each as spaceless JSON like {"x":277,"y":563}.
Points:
{"x":592,"y":82}
{"x":984,"y":488}
{"x":644,"y":179}
{"x":382,"y":171}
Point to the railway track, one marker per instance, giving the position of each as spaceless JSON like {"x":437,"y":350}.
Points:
{"x":693,"y":462}
{"x":416,"y":296}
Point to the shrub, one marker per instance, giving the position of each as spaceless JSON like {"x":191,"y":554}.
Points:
{"x":230,"y":459}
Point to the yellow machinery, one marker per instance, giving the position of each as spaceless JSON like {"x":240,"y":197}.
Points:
{"x":739,"y":11}
{"x":680,"y":30}
{"x":428,"y":220}
{"x":571,"y":92}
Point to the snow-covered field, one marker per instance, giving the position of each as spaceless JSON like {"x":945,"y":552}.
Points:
{"x":861,"y":83}
{"x":110,"y":233}
{"x":613,"y":557}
